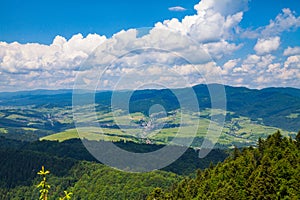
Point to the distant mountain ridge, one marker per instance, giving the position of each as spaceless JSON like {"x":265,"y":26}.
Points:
{"x":278,"y":107}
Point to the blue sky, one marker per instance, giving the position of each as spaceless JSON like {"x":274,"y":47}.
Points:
{"x":252,"y":43}
{"x":40,"y":21}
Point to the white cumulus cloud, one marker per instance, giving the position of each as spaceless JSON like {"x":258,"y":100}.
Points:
{"x":45,"y":66}
{"x":265,"y":46}
{"x":291,"y":51}
{"x":61,"y":54}
{"x":214,"y":20}
{"x":284,"y":22}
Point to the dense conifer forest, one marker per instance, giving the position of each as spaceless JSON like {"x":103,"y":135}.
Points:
{"x":74,"y":169}
{"x":270,"y":171}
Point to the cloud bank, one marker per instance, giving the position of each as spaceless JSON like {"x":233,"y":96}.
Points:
{"x":211,"y":41}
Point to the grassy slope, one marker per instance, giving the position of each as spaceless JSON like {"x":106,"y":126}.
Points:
{"x":236,"y":130}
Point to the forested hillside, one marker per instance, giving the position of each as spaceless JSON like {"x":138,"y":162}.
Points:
{"x":270,"y":171}
{"x":74,"y":169}
{"x":88,"y":180}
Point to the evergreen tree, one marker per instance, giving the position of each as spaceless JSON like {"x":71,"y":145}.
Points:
{"x":298,"y":139}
